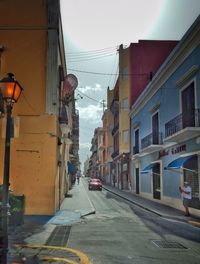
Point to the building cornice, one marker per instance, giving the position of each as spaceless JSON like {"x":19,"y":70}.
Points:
{"x":184,"y":48}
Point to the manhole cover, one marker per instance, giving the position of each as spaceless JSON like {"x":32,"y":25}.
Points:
{"x":168,"y":244}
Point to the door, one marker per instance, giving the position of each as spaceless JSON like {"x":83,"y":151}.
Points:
{"x":188,"y":106}
{"x":191,"y":174}
{"x":156,"y":181}
{"x":136,"y":149}
{"x":155,"y":129}
{"x":137,"y":181}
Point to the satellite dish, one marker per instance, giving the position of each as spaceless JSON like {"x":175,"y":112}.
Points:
{"x":72,"y":80}
{"x":70,"y":84}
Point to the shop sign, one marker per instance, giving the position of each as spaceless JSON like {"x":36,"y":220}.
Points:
{"x":172,"y":151}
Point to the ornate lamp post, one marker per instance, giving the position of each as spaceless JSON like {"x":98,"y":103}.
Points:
{"x":10,"y":90}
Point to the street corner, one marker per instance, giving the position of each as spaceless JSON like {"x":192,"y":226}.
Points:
{"x":65,"y":217}
{"x":49,"y":254}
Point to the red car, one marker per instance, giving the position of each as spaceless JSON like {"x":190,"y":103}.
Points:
{"x":95,"y":184}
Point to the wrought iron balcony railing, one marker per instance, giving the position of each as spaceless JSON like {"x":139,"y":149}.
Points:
{"x":135,"y":150}
{"x":152,"y":139}
{"x":115,"y":154}
{"x":115,"y":129}
{"x":181,"y":121}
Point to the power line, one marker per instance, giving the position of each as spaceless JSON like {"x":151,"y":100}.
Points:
{"x":90,"y":97}
{"x":88,"y":59}
{"x":93,"y":51}
{"x":112,"y":74}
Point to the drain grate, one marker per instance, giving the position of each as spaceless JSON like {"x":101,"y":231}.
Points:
{"x":168,"y":244}
{"x":59,"y":236}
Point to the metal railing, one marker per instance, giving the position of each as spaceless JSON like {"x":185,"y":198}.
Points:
{"x":182,"y":121}
{"x":135,"y":150}
{"x":151,"y":139}
{"x":115,"y":154}
{"x":115,"y":129}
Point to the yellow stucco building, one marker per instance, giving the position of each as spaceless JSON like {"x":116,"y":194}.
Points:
{"x":32,"y":48}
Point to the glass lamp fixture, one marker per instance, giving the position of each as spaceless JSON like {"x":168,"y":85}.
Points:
{"x":10,"y":89}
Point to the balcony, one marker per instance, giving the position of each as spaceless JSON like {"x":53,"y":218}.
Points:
{"x":135,"y":152}
{"x":114,"y":107}
{"x":63,"y":119}
{"x":151,"y":143}
{"x":183,"y":127}
{"x":135,"y":149}
{"x":115,"y":154}
{"x":115,"y":129}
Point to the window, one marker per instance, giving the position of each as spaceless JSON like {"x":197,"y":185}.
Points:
{"x":110,"y":150}
{"x":136,"y":147}
{"x":125,"y":103}
{"x":125,"y":73}
{"x":125,"y":136}
{"x":188,"y":106}
{"x":155,"y":129}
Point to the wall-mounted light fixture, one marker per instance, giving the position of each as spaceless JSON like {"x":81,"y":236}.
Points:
{"x":11,"y":91}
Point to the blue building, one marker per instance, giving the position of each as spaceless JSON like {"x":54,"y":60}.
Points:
{"x":165,"y":127}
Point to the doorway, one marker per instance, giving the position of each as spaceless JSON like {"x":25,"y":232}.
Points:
{"x":156,"y":181}
{"x":191,"y":175}
{"x":137,"y":181}
{"x":155,"y":129}
{"x":188,"y":106}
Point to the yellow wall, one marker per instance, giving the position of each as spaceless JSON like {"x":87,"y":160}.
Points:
{"x":110,"y":122}
{"x":34,"y":153}
{"x":124,"y":121}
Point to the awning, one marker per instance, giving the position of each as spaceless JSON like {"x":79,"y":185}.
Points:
{"x":179,"y":163}
{"x":148,"y":168}
{"x":71,"y":168}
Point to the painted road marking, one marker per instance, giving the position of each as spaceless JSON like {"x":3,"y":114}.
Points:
{"x":83,"y":258}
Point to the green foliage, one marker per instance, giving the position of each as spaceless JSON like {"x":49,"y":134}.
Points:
{"x":16,"y":203}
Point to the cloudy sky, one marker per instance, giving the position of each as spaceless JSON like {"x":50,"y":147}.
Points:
{"x":94,"y":29}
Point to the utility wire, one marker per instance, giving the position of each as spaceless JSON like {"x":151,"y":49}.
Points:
{"x":90,"y":97}
{"x":91,"y":54}
{"x":90,"y":58}
{"x":114,"y":74}
{"x":93,"y":51}
{"x":32,"y":108}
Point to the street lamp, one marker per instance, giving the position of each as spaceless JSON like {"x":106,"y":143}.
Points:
{"x":10,"y":90}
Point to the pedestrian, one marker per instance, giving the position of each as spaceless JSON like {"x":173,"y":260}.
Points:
{"x":186,"y":192}
{"x":78,"y":178}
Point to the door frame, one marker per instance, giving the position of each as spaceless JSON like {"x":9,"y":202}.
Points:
{"x":152,"y":115}
{"x":161,"y":180}
{"x":185,"y":86}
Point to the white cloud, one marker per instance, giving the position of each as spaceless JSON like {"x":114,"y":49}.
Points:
{"x":91,"y":112}
{"x":85,"y":145}
{"x":96,"y":88}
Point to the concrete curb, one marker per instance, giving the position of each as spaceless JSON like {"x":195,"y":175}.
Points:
{"x":135,"y":203}
{"x":166,"y":216}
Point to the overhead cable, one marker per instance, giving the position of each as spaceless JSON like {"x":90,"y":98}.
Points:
{"x":114,"y":74}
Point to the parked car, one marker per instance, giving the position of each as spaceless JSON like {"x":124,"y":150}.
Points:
{"x":95,"y":184}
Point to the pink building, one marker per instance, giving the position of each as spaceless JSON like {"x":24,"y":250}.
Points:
{"x":145,"y":57}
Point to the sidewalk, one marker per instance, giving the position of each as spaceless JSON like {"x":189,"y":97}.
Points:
{"x":152,"y":206}
{"x":75,"y":206}
{"x":39,"y":233}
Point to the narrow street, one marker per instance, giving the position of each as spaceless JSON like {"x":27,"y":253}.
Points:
{"x":123,"y":233}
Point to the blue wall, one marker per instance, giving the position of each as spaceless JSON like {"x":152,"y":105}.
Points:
{"x":169,"y":98}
